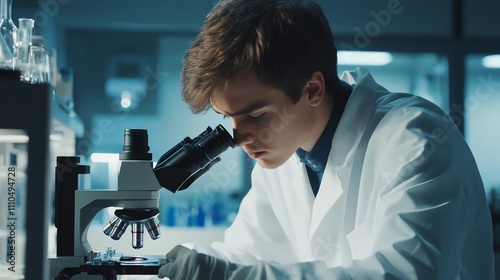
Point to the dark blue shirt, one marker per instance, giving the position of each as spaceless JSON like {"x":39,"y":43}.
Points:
{"x":316,"y":159}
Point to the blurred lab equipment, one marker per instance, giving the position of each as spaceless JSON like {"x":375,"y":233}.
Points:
{"x":22,"y":50}
{"x":64,"y":85}
{"x":7,"y":35}
{"x":137,"y":196}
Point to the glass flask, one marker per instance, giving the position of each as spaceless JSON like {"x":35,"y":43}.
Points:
{"x":7,"y":35}
{"x":5,"y":54}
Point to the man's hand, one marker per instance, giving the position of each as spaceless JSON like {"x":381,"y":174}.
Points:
{"x":183,"y":263}
{"x":187,"y":264}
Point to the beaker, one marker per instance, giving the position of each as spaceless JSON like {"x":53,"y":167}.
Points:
{"x":39,"y":68}
{"x":39,"y":61}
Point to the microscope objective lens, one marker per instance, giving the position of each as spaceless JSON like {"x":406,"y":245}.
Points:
{"x":138,"y":219}
{"x":137,"y":235}
{"x":110,"y":225}
{"x":153,"y":227}
{"x":118,"y":229}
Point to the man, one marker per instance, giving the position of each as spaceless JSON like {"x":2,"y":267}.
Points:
{"x":352,"y":181}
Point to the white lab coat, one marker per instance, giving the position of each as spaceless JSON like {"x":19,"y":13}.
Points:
{"x":401,"y":198}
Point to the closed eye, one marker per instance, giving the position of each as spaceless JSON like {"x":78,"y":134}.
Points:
{"x":257,"y":116}
{"x":218,"y":113}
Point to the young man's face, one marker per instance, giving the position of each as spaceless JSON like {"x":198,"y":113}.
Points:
{"x":266,"y":123}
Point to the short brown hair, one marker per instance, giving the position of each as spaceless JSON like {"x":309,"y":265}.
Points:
{"x":282,"y":41}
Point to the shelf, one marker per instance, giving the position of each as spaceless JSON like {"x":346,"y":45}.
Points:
{"x":62,"y":114}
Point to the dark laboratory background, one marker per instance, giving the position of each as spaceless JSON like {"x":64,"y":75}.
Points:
{"x":121,"y":61}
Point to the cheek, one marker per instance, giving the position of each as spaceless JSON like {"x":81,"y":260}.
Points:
{"x":283,"y":120}
{"x":284,"y":131}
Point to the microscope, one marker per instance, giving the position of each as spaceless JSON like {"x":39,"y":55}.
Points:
{"x":137,"y":197}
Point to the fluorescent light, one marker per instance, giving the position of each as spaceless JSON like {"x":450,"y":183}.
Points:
{"x":491,"y":61}
{"x":25,"y":138}
{"x":104,"y":157}
{"x":363,"y":58}
{"x":14,"y":138}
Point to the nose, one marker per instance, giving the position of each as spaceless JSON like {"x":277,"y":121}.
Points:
{"x":242,"y":135}
{"x":242,"y":139}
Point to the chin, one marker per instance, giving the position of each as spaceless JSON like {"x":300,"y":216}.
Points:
{"x":269,"y":164}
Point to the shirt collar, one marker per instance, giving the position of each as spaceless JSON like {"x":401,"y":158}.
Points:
{"x":316,"y":159}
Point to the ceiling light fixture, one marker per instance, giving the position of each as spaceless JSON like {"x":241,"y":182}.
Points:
{"x":363,"y":58}
{"x":491,"y":61}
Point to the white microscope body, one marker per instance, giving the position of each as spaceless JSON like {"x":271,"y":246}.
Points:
{"x":137,"y":194}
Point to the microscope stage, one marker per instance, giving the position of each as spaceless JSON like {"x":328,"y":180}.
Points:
{"x":125,"y":265}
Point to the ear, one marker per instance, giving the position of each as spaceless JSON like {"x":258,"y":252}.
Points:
{"x":315,"y":89}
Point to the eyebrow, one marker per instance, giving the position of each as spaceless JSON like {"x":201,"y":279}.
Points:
{"x":250,"y":108}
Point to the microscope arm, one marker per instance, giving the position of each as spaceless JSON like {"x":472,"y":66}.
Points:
{"x":90,"y":202}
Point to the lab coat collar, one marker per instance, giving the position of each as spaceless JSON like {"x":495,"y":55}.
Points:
{"x":356,"y":114}
{"x":336,"y":178}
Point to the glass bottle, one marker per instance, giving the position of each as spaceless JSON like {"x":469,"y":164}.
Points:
{"x":23,"y":47}
{"x":8,"y":34}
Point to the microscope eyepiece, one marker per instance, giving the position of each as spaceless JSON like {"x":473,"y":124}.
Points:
{"x":214,"y":142}
{"x":135,"y":145}
{"x":191,"y":158}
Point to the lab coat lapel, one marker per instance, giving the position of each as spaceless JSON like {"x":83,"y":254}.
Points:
{"x":353,"y":122}
{"x":336,"y":178}
{"x":329,"y":192}
{"x":301,"y":199}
